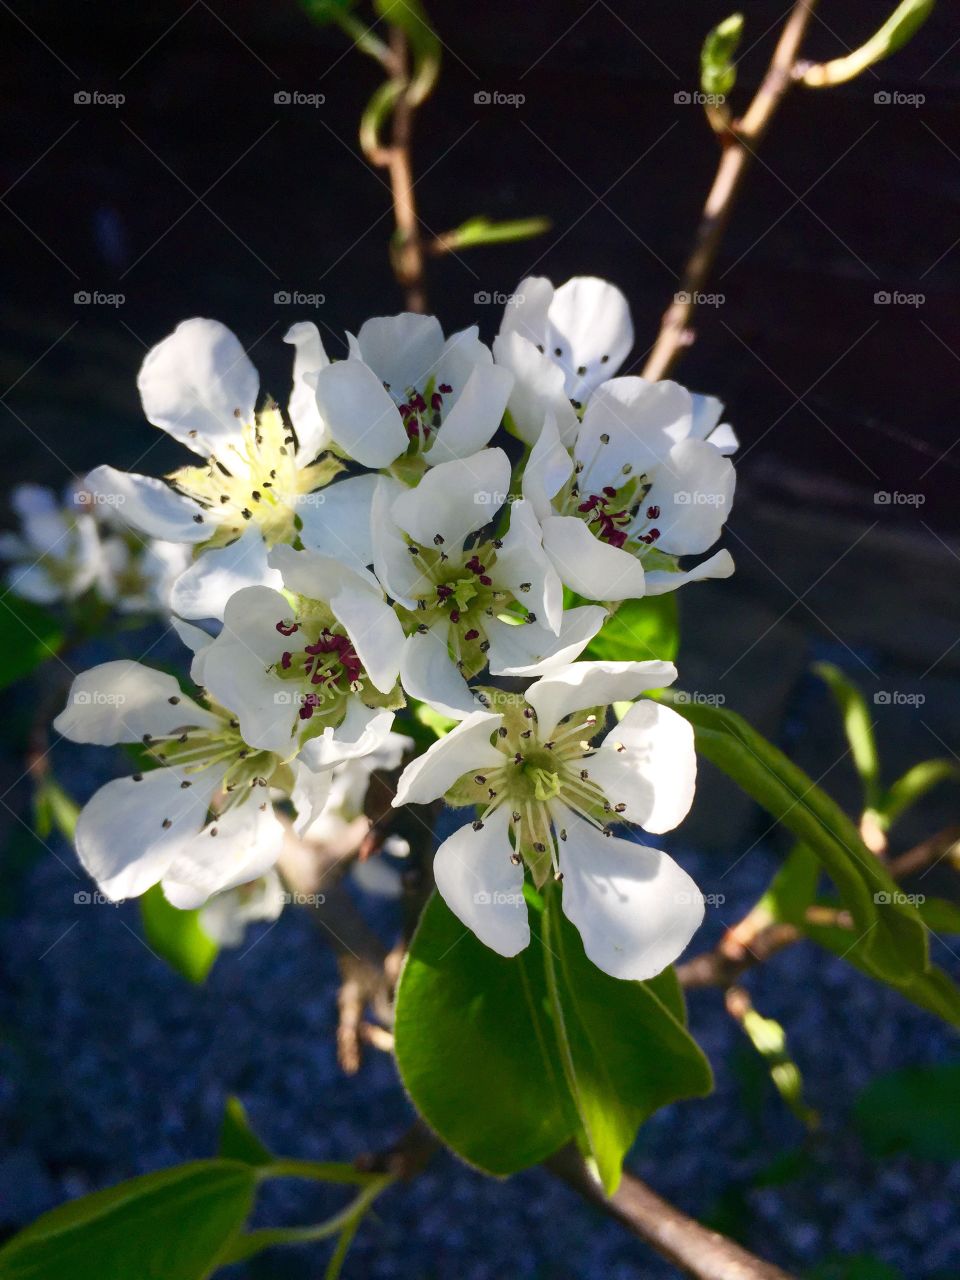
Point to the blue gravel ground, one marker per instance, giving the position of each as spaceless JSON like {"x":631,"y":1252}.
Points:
{"x":112,"y":1066}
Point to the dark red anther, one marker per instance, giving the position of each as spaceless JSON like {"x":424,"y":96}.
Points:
{"x":474,"y":565}
{"x":473,"y":634}
{"x":444,"y":592}
{"x":653,"y":535}
{"x":436,"y":401}
{"x":609,"y":491}
{"x":653,"y":513}
{"x":287,"y":628}
{"x":485,"y":581}
{"x":454,"y":615}
{"x":285,"y":661}
{"x":445,"y":388}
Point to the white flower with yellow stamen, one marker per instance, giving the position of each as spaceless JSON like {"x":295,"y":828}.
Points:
{"x":202,"y":821}
{"x":263,"y":481}
{"x":547,"y":796}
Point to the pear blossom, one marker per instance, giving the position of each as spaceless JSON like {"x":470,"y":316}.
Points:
{"x":226,"y":916}
{"x":547,"y":791}
{"x":406,"y":392}
{"x":640,"y":490}
{"x":465,"y":596}
{"x":560,"y":344}
{"x":202,"y":821}
{"x":313,"y":672}
{"x":261,"y":482}
{"x":58,"y":553}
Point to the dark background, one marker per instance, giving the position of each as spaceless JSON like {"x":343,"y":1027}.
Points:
{"x":199,"y":195}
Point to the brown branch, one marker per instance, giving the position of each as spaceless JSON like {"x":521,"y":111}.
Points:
{"x":738,"y":142}
{"x":407,"y":255}
{"x":697,"y":1251}
{"x":756,"y":937}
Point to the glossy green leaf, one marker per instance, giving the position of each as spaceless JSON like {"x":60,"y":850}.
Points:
{"x":507,"y":1060}
{"x":913,"y":1110}
{"x":769,"y":1039}
{"x":29,"y":635}
{"x":475,"y":1046}
{"x":931,"y":989}
{"x":172,"y":1225}
{"x":177,"y":936}
{"x":894,"y":939}
{"x":639,"y":631}
{"x":858,"y":727}
{"x":623,"y":1051}
{"x":718,"y":70}
{"x":53,"y":810}
{"x":238,"y":1140}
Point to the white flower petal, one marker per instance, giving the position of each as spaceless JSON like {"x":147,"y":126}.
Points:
{"x":151,"y":506}
{"x":593,"y":684}
{"x":402,"y":350}
{"x":336,"y":520}
{"x":454,"y":499}
{"x":592,"y":568}
{"x":121,"y":838}
{"x":363,"y":730}
{"x":482,"y":887}
{"x":532,"y":650}
{"x":719,"y":565}
{"x":641,"y":422}
{"x":548,"y":469}
{"x":694,"y":491}
{"x":724,"y":439}
{"x":34,"y":583}
{"x":465,"y":749}
{"x":474,"y":414}
{"x":706,"y":415}
{"x":648,"y":763}
{"x":199,"y":386}
{"x":361,"y":417}
{"x":634,"y":907}
{"x":205,"y":588}
{"x":538,"y":389}
{"x":122,"y":701}
{"x":247,"y":844}
{"x":526,"y":309}
{"x":589,"y":333}
{"x":525,"y":569}
{"x":311,"y":790}
{"x":429,"y":674}
{"x":318,"y":576}
{"x":397,"y":569}
{"x":309,"y":358}
{"x":375,"y":631}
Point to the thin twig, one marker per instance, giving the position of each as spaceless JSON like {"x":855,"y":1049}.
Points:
{"x":738,"y":144}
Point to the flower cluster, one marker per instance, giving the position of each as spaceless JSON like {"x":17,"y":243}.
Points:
{"x":430,"y":522}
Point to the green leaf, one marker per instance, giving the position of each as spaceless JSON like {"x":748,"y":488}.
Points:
{"x":913,"y":1110}
{"x":931,"y":989}
{"x":411,"y":18}
{"x":770,"y":1040}
{"x":482,"y":231}
{"x":899,"y":28}
{"x":623,"y":1051}
{"x":177,"y":936}
{"x":792,"y":889}
{"x":915,"y":784}
{"x":476,"y":1049}
{"x":238,"y":1140}
{"x":28,"y":636}
{"x":507,"y":1060}
{"x":939,"y":915}
{"x":718,"y":71}
{"x":638,"y":631}
{"x":858,"y":726}
{"x":54,"y":809}
{"x":172,"y":1225}
{"x":894,"y":939}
